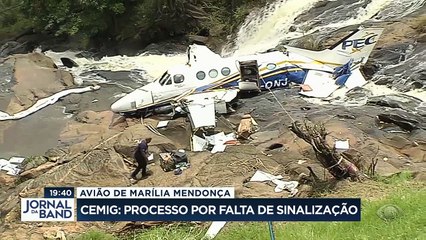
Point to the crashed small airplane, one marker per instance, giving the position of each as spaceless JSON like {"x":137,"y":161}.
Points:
{"x":320,"y":72}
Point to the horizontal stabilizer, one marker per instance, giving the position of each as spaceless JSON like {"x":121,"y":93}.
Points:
{"x":322,"y":85}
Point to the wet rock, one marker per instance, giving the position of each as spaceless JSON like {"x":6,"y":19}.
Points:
{"x":386,"y":169}
{"x":33,"y":162}
{"x":36,"y":171}
{"x":405,"y":73}
{"x":198,"y":39}
{"x":36,"y":236}
{"x":89,"y":117}
{"x":408,"y":123}
{"x":417,"y":152}
{"x":358,"y":93}
{"x":54,"y":235}
{"x":67,"y":62}
{"x":304,"y":191}
{"x":396,"y":101}
{"x":36,"y":77}
{"x":261,"y":137}
{"x":164,"y":48}
{"x":422,"y":38}
{"x":126,"y":142}
{"x":12,"y":47}
{"x":305,"y":42}
{"x":39,"y":59}
{"x":66,"y":78}
{"x":54,"y":154}
{"x":275,"y":146}
{"x":396,"y":141}
{"x":420,"y":176}
{"x":126,"y":151}
{"x":72,"y":99}
{"x":6,"y":180}
{"x":292,"y":28}
{"x":370,"y":68}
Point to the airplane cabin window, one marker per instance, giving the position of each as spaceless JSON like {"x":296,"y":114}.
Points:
{"x":271,"y":66}
{"x":225,"y":71}
{"x":164,"y":78}
{"x":178,"y":78}
{"x":213,"y":73}
{"x":201,"y":75}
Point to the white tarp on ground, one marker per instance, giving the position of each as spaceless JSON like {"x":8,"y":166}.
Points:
{"x":323,"y":84}
{"x":260,"y":176}
{"x":44,"y":102}
{"x":214,"y":229}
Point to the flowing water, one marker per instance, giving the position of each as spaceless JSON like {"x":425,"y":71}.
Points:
{"x":266,"y":28}
{"x":263,"y":29}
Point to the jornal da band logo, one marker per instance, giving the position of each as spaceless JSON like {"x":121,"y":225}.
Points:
{"x":47,"y":209}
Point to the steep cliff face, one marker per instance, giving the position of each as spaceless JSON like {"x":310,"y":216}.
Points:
{"x":400,"y":57}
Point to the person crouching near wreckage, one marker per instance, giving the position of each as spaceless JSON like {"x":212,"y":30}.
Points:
{"x":141,"y":157}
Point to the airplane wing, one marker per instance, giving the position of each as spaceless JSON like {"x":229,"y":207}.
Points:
{"x":201,"y":107}
{"x":321,"y":84}
{"x":201,"y":113}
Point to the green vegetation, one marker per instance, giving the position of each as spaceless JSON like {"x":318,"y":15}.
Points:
{"x":396,"y":179}
{"x":409,"y":224}
{"x":95,"y":235}
{"x":181,"y":232}
{"x":119,"y":20}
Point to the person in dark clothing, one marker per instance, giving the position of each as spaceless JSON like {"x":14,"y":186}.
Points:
{"x":141,"y":157}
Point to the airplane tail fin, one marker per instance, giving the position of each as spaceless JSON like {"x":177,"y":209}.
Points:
{"x":357,"y":46}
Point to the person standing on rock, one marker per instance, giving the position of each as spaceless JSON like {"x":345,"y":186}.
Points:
{"x":141,"y":157}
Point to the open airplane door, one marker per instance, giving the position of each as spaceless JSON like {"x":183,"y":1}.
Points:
{"x":249,"y":73}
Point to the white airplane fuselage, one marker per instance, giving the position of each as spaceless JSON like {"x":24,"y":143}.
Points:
{"x":276,"y":70}
{"x":207,"y":70}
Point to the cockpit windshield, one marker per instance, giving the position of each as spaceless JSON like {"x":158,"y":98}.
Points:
{"x":164,"y":78}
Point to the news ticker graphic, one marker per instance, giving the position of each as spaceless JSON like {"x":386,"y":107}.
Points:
{"x":179,"y":204}
{"x":236,"y":209}
{"x":155,"y":192}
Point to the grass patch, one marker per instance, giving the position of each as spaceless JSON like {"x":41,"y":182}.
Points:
{"x":181,"y":232}
{"x":395,"y":179}
{"x":96,"y":235}
{"x":409,"y":225}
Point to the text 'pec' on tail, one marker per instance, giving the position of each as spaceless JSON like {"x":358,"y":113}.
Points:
{"x":358,"y":45}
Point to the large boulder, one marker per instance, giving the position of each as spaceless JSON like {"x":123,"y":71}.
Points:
{"x":36,"y":77}
{"x":12,"y":47}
